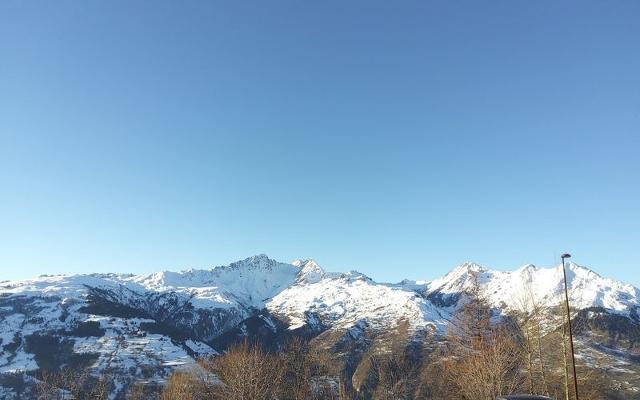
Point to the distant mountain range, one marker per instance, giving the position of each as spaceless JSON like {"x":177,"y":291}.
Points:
{"x":141,"y":327}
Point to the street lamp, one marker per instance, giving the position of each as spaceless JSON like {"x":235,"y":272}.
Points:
{"x":566,"y":301}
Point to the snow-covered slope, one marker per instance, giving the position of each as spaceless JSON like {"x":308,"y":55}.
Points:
{"x":133,"y":324}
{"x":545,"y":286}
{"x":130,"y":324}
{"x":342,"y":300}
{"x":244,"y":283}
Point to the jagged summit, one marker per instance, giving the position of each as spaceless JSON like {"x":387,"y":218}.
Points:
{"x":469,"y":266}
{"x":260,"y":261}
{"x":298,"y":262}
{"x":460,"y":279}
{"x":310,"y":271}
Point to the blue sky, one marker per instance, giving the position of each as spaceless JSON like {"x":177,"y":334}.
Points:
{"x":396,"y":138}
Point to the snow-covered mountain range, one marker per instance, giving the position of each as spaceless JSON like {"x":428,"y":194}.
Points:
{"x":144,"y":326}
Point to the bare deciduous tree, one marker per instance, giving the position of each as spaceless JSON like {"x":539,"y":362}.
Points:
{"x":528,"y":318}
{"x":74,"y":384}
{"x":483,"y":357}
{"x":246,"y":372}
{"x":308,"y":372}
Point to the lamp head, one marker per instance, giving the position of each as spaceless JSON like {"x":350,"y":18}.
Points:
{"x":565,"y":255}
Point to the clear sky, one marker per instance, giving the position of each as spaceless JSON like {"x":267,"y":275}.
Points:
{"x":396,"y":138}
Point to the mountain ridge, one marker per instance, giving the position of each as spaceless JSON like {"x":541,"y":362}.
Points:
{"x":264,"y":278}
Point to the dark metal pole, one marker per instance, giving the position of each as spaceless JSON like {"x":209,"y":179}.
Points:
{"x":566,"y":300}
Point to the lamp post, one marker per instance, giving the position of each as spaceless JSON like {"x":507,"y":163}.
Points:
{"x":566,"y":301}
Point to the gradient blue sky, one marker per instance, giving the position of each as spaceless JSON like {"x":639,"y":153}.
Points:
{"x":396,"y":138}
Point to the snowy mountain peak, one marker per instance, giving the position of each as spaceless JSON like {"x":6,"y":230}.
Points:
{"x":460,"y":279}
{"x":468,"y":266}
{"x":528,"y":267}
{"x":580,"y":270}
{"x":526,"y":271}
{"x":298,"y":262}
{"x":260,"y":261}
{"x":310,"y":271}
{"x":544,"y":286}
{"x":305,"y":264}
